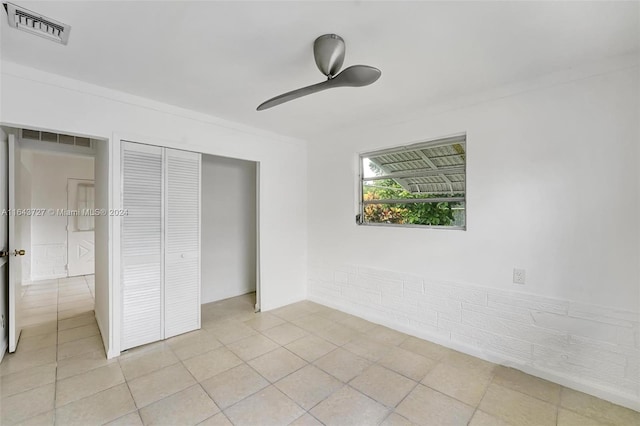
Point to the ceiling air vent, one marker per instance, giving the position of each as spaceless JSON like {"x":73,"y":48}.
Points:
{"x":60,"y":138}
{"x":34,"y":23}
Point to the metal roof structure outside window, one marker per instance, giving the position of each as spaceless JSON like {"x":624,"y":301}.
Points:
{"x":423,"y":184}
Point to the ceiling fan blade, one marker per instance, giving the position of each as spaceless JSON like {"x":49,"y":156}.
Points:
{"x":354,"y":76}
{"x":358,"y":76}
{"x":295,"y":94}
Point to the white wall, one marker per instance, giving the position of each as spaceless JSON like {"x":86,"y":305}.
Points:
{"x":228,"y":228}
{"x":103,"y":241}
{"x":4,"y":245}
{"x":553,"y":187}
{"x":72,"y":106}
{"x":50,"y":173}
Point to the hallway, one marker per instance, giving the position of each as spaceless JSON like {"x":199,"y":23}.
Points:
{"x":59,"y":299}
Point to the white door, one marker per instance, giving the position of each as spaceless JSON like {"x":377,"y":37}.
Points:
{"x":15,"y":249}
{"x":4,"y":241}
{"x":80,"y":227}
{"x":142,"y":244}
{"x":182,"y":242}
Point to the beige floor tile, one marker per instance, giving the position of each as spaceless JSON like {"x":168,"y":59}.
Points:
{"x":40,"y":301}
{"x":80,"y":346}
{"x":335,"y":315}
{"x":284,"y":334}
{"x":306,"y":420}
{"x":188,"y":407}
{"x":89,"y":383}
{"x":313,"y":323}
{"x":231,"y":331}
{"x":100,"y":408}
{"x":383,"y":385}
{"x":131,"y":419}
{"x":194,"y":343}
{"x":517,"y":408}
{"x":426,"y":406}
{"x":395,"y":419}
{"x":310,"y":348}
{"x":569,"y":418}
{"x":358,"y":324}
{"x":12,"y":363}
{"x":76,"y":321}
{"x":26,"y":344}
{"x":82,"y":363}
{"x":37,"y":311}
{"x":598,"y":409}
{"x":81,"y":332}
{"x":308,"y":386}
{"x":22,"y":406}
{"x":276,"y":364}
{"x":339,"y":334}
{"x":84,"y":296}
{"x":25,"y":380}
{"x":530,"y":385}
{"x":465,"y":384}
{"x":264,"y":321}
{"x":458,"y":359}
{"x":425,"y":348}
{"x":252,"y":347}
{"x":407,"y":363}
{"x":160,"y":384}
{"x":30,"y":321}
{"x":349,"y":407}
{"x":342,"y":364}
{"x":368,"y":348}
{"x":387,"y":335}
{"x":267,"y":407}
{"x":45,"y":419}
{"x":72,"y":312}
{"x":211,"y":363}
{"x":147,"y":362}
{"x":291,"y":312}
{"x":480,"y":418}
{"x":233,"y":385}
{"x":50,"y":327}
{"x":218,"y":420}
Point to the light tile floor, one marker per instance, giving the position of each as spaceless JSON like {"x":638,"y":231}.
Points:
{"x":51,"y":300}
{"x":303,"y":364}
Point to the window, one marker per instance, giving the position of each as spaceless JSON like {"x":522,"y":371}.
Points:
{"x":420,"y":185}
{"x":85,"y":199}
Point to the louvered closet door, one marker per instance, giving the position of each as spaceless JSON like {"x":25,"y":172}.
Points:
{"x":182,"y":242}
{"x":142,"y":251}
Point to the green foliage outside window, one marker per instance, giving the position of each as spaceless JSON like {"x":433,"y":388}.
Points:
{"x":440,"y":214}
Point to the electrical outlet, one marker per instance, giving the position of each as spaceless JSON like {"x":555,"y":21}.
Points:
{"x":518,"y":276}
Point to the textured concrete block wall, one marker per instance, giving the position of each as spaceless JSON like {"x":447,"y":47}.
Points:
{"x":593,"y":348}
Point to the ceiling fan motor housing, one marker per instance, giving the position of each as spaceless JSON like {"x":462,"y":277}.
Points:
{"x":329,"y":50}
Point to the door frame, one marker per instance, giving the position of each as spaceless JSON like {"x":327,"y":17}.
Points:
{"x":70,"y":219}
{"x":9,"y":127}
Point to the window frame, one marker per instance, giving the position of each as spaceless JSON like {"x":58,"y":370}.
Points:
{"x":461,"y":137}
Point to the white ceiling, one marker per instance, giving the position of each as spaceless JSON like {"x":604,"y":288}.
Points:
{"x":224,"y":58}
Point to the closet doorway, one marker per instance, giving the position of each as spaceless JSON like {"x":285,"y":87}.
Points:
{"x":189,"y":238}
{"x":229,"y":231}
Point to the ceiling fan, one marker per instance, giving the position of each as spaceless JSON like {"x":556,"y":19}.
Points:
{"x":328,"y":51}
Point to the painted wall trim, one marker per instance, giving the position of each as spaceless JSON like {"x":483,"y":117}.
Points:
{"x":41,"y":77}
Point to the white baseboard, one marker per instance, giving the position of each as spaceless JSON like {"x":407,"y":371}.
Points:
{"x":611,"y":395}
